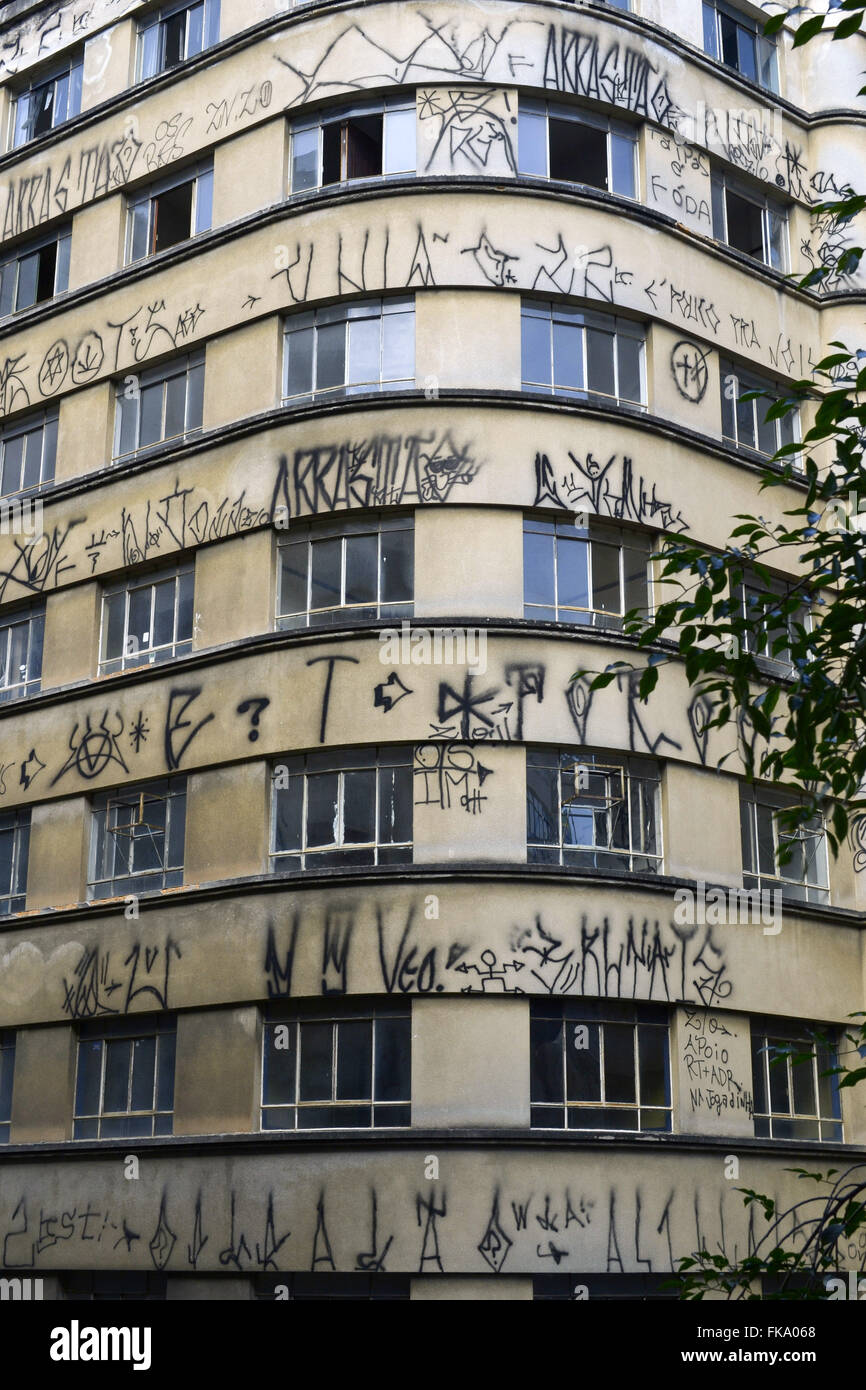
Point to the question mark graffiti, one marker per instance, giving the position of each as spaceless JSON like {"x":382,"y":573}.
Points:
{"x":258,"y":704}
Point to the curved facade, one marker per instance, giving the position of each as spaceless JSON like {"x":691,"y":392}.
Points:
{"x":355,"y":362}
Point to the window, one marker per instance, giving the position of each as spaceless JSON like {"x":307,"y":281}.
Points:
{"x":37,"y":271}
{"x":793,"y":1100}
{"x":771,"y":629}
{"x":750,"y":221}
{"x":592,"y":575}
{"x":53,"y":98}
{"x":347,"y":1068}
{"x":174,"y":33}
{"x":744,"y":421}
{"x":139,"y":1285}
{"x":137,"y":839}
{"x":608,"y":1288}
{"x":164,"y":402}
{"x":337,"y":808}
{"x":21,"y":653}
{"x":324,"y":1285}
{"x":125,"y":1083}
{"x":599,"y":1064}
{"x":370,"y":141}
{"x":563,"y":142}
{"x":593,"y":811}
{"x":7,"y":1072}
{"x":170,"y":211}
{"x":346,"y":348}
{"x":28,"y":451}
{"x":147,"y":620}
{"x":739,"y":42}
{"x":14,"y":856}
{"x":804,"y":876}
{"x":347,"y":569}
{"x":575,"y":353}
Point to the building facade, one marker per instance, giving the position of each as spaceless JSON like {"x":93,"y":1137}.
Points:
{"x":356,"y":360}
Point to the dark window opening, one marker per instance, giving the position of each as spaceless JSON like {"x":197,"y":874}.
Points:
{"x":578,"y":153}
{"x":745,"y":225}
{"x":172,"y":216}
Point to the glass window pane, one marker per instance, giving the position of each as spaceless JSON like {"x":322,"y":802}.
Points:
{"x":359,"y":807}
{"x":299,"y":362}
{"x":330,"y":356}
{"x":326,"y":576}
{"x":567,"y":357}
{"x":622,"y":149}
{"x":61,"y":268}
{"x":362,"y":567}
{"x":542,"y":805}
{"x":163,"y":613}
{"x":355,"y":1059}
{"x":780,"y":1101}
{"x":289,"y":806}
{"x":185,"y":591}
{"x":293,"y":578}
{"x":149,"y":51}
{"x":652,"y":1053}
{"x":118,"y":1055}
{"x":364,"y":340}
{"x":535,"y":350}
{"x":582,"y":1061}
{"x":143,"y":1073}
{"x":572,"y":558}
{"x":150,"y":431}
{"x":746,"y":421}
{"x":28,"y":276}
{"x":89,"y":1073}
{"x":175,"y":405}
{"x":538,"y":571}
{"x":399,"y":157}
{"x":278,"y":1087}
{"x":305,"y":159}
{"x":322,"y":809}
{"x":195,"y":396}
{"x":803,"y":1085}
{"x":398,"y":347}
{"x":619,"y":1077}
{"x":13,"y":455}
{"x":546,"y":1073}
{"x":195,"y":30}
{"x":606,"y":594}
{"x":532,"y":143}
{"x":33,"y":458}
{"x":392,"y":1059}
{"x":315,"y":1063}
{"x":599,"y":362}
{"x":7,"y":845}
{"x":746,"y":56}
{"x":709,"y":19}
{"x":398,"y":553}
{"x":629,"y":354}
{"x":635,"y":565}
{"x":395,"y":805}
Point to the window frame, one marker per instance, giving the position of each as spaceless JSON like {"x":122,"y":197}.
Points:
{"x":389,"y":106}
{"x":7,"y":1081}
{"x":632,"y":772}
{"x":566,"y":315}
{"x":343,"y":527}
{"x":132,"y":1028}
{"x":172,"y":791}
{"x":152,"y":655}
{"x":200,"y":175}
{"x":721,"y":185}
{"x":187,"y":364}
{"x":534,"y":109}
{"x":307,"y":765}
{"x":33,"y":617}
{"x":769,"y":799}
{"x":150,"y":53}
{"x":42,"y":422}
{"x":60,"y":238}
{"x":601,"y":1014}
{"x":345,"y":313}
{"x":801,"y":1036}
{"x":320,"y":1013}
{"x":765,"y":49}
{"x":71,"y":69}
{"x":747,"y":382}
{"x":594,"y":534}
{"x":759,"y":639}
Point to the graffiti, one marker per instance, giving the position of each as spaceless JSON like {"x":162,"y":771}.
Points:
{"x":166,"y":146}
{"x":745,"y":332}
{"x":373,"y":1261}
{"x":257,"y":705}
{"x":689,"y":370}
{"x":493,"y":264}
{"x":611,"y":489}
{"x":88,"y":357}
{"x":299,"y":287}
{"x":857,"y":841}
{"x":278,"y":964}
{"x":592,"y":274}
{"x":495,"y":1244}
{"x":322,"y":1252}
{"x":150,"y":329}
{"x":31,"y":767}
{"x":97,"y":170}
{"x":707,"y":1053}
{"x":326,"y":693}
{"x":139,"y":731}
{"x":467,"y":704}
{"x":430,"y":1251}
{"x":493,"y":976}
{"x":647,"y":961}
{"x":468,"y":135}
{"x":527,"y":678}
{"x":244,"y":102}
{"x":55,"y":365}
{"x":94,"y":749}
{"x":13,"y":390}
{"x":446,"y":769}
{"x":691,"y":307}
{"x":179,"y":701}
{"x":581,"y":64}
{"x":175,"y":521}
{"x":95,"y":982}
{"x":386,"y":470}
{"x":352,"y":273}
{"x":389,"y":693}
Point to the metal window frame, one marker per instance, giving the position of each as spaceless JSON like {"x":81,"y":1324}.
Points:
{"x":22,"y":819}
{"x":150,"y":579}
{"x":751,"y":798}
{"x":169,"y":789}
{"x":380,"y":308}
{"x":747,"y":382}
{"x":151,"y":193}
{"x":163,"y":372}
{"x":161,"y":1026}
{"x":630,"y":775}
{"x":27,"y":425}
{"x":52,"y":73}
{"x":31,"y":684}
{"x":596,"y":121}
{"x":309,"y":539}
{"x":382,"y":106}
{"x":788,"y":1032}
{"x":275,"y":856}
{"x":726,"y":183}
{"x":297,"y":1106}
{"x":29,"y":248}
{"x":581,"y":320}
